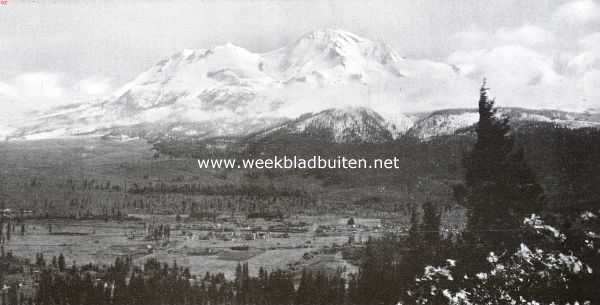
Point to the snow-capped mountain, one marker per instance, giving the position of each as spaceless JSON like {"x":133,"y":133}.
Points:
{"x":443,"y":122}
{"x":452,"y":121}
{"x":221,"y":89}
{"x":363,"y":125}
{"x":332,"y":57}
{"x":336,"y":125}
{"x":357,"y":89}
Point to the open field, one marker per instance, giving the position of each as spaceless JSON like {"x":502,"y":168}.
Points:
{"x":101,"y":242}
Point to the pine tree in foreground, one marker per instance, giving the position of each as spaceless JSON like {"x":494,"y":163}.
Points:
{"x":500,"y":187}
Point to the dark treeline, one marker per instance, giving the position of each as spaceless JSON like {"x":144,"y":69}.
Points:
{"x":157,"y":231}
{"x":85,"y":184}
{"x":567,"y":160}
{"x":159,"y":283}
{"x":216,"y":190}
{"x":389,"y":265}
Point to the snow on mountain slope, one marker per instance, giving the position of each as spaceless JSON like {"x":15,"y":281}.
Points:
{"x":335,"y":125}
{"x":332,"y":56}
{"x":444,"y":122}
{"x":198,"y":78}
{"x":230,"y":85}
{"x":451,"y":121}
{"x":228,"y":91}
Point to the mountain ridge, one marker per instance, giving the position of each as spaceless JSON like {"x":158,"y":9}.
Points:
{"x":347,"y":125}
{"x":229,"y":91}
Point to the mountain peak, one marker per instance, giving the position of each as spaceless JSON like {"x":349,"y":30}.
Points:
{"x":335,"y":56}
{"x":352,"y":111}
{"x":344,"y":125}
{"x":333,"y":35}
{"x":231,"y":47}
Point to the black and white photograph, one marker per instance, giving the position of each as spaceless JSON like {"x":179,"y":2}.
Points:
{"x":299,"y":152}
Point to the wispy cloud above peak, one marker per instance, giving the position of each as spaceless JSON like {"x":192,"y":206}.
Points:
{"x":577,"y":13}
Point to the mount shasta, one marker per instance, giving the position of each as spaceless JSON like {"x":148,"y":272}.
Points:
{"x":355,"y":88}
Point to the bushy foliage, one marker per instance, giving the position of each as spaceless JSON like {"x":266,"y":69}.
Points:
{"x":539,"y":272}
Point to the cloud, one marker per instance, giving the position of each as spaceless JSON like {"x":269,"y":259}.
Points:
{"x":588,"y":56}
{"x":520,"y":77}
{"x":8,"y":99}
{"x":94,"y":86}
{"x":577,"y":13}
{"x":526,"y":35}
{"x":42,"y":90}
{"x":583,"y":62}
{"x":472,"y":38}
{"x":50,"y":89}
{"x":551,"y":65}
{"x":591,"y":41}
{"x":10,"y":103}
{"x":511,"y":64}
{"x":7,"y":92}
{"x":39,"y":86}
{"x":584,"y":68}
{"x":589,"y":84}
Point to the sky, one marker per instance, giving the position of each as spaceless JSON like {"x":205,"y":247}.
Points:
{"x":538,"y":54}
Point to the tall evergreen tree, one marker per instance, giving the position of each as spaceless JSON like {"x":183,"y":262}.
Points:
{"x":431,"y":224}
{"x":500,"y":188}
{"x":430,"y":230}
{"x":61,"y":262}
